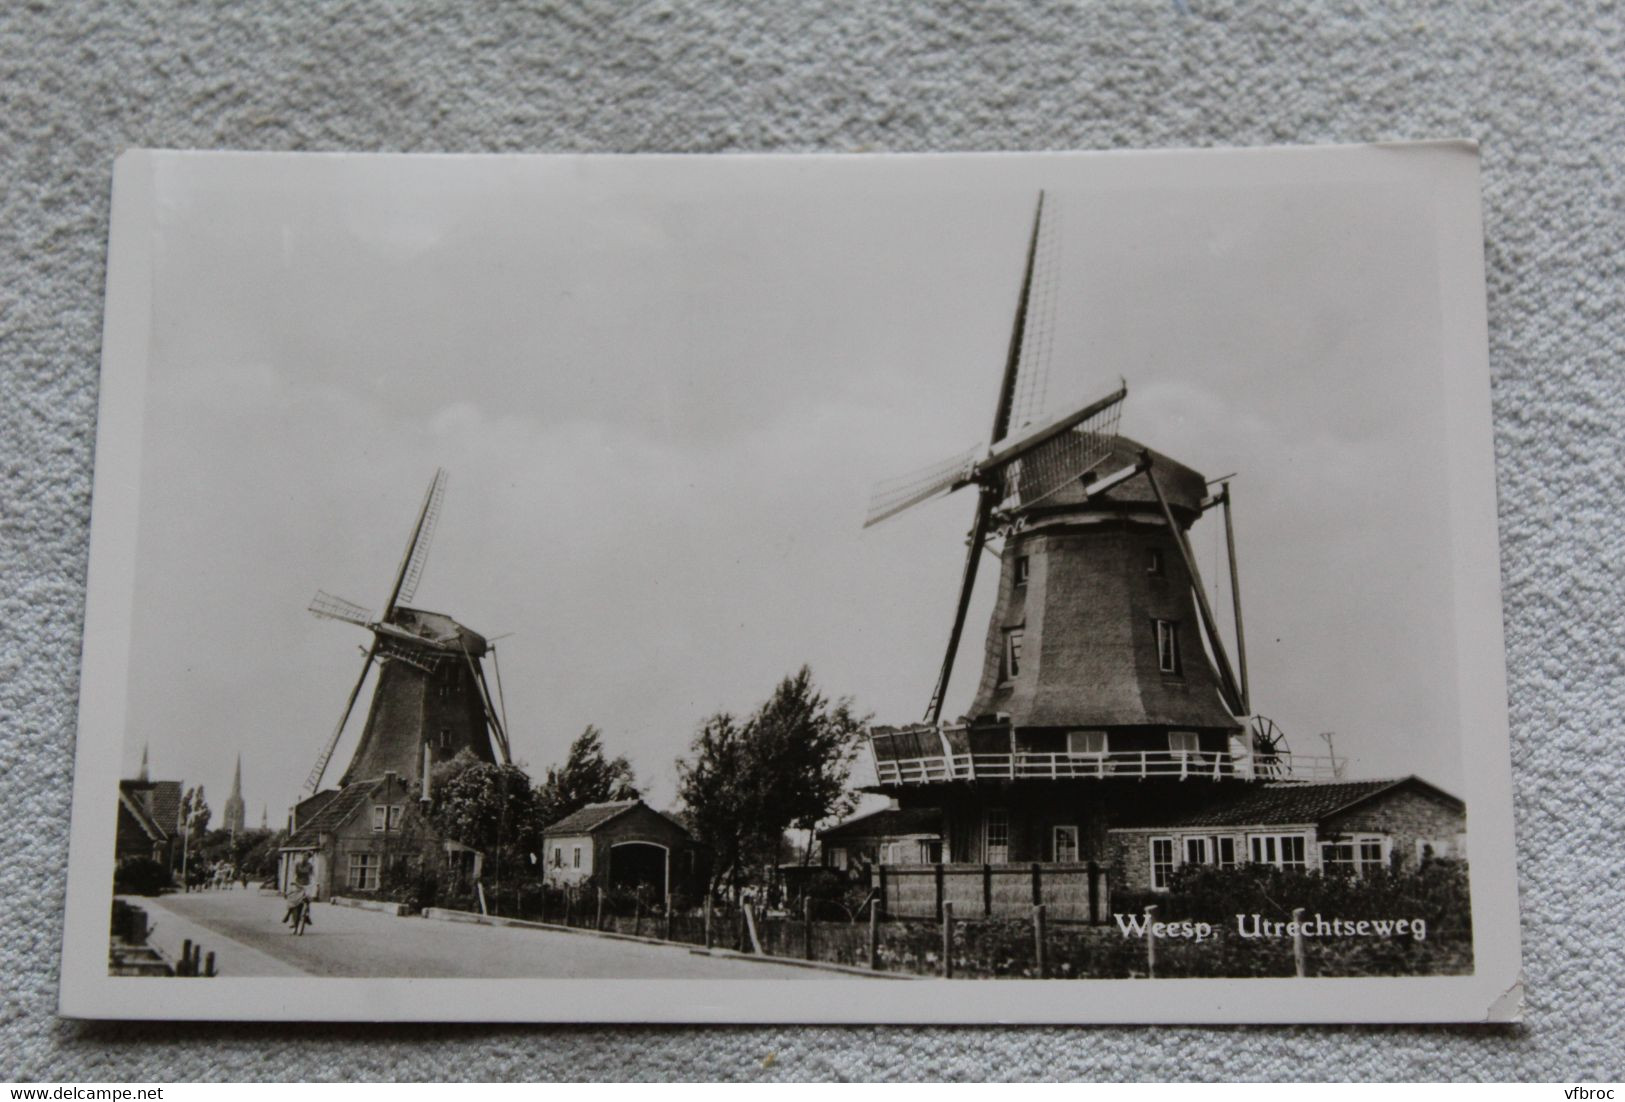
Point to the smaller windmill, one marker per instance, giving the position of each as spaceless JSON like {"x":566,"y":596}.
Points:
{"x":432,"y":700}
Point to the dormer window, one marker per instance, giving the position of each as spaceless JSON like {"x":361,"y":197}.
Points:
{"x":1023,"y":570}
{"x":1168,"y":646}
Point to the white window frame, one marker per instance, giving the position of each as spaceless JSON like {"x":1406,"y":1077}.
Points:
{"x":996,"y":823}
{"x":365,"y":864}
{"x":1159,"y":882}
{"x":1270,"y":849}
{"x":1167,"y":645}
{"x":1202,"y":846}
{"x":1222,"y":842}
{"x":1078,"y":744}
{"x":378,"y":813}
{"x":1192,"y":742}
{"x":397,"y":812}
{"x":1359,"y":862}
{"x":1013,"y":639}
{"x":1060,"y":831}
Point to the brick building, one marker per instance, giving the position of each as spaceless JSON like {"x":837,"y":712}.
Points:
{"x":349,"y":835}
{"x":1350,"y":827}
{"x":624,"y":844}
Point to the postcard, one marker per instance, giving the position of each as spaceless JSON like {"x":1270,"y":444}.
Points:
{"x":936,"y":588}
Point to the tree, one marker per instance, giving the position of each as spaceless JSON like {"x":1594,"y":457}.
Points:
{"x":194,"y":820}
{"x":256,"y":854}
{"x":587,"y":776}
{"x":484,"y":806}
{"x":745,"y":785}
{"x":805,"y":745}
{"x":717,"y":789}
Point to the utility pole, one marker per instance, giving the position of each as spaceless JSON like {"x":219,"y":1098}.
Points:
{"x":1331,"y":752}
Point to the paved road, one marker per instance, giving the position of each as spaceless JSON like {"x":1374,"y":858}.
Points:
{"x":248,"y":938}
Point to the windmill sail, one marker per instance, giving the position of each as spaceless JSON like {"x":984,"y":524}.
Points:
{"x":314,"y":780}
{"x":1041,"y":470}
{"x":417,"y":552}
{"x":326,"y":605}
{"x":893,"y":495}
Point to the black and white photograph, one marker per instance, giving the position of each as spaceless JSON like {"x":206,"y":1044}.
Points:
{"x":966,"y":588}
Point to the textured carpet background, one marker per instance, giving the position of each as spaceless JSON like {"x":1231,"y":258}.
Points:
{"x":1539,"y":84}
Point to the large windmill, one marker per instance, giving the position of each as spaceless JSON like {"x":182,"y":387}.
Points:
{"x":1093,"y":664}
{"x":431,"y":700}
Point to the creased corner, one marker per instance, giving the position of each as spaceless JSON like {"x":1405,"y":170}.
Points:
{"x":1509,"y":1006}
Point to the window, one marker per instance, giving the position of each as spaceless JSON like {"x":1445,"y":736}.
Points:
{"x":1162,"y":862}
{"x":575,"y":857}
{"x":378,"y":813}
{"x":395,"y":813}
{"x":1226,"y":848}
{"x":364,"y":872}
{"x":1023,"y":570}
{"x":1197,"y":851}
{"x":931,"y":852}
{"x":1373,"y":855}
{"x":1153,"y":562}
{"x":1167,"y":646}
{"x":1359,"y":855}
{"x":1284,"y":851}
{"x":1012,"y":653}
{"x":1338,"y":858}
{"x":445,"y":738}
{"x":1086,"y":744}
{"x":1066,"y":844}
{"x":1183,"y":742}
{"x":998,"y":836}
{"x":558,"y":857}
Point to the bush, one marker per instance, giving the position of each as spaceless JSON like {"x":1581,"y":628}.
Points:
{"x":140,"y":876}
{"x":1436,"y":892}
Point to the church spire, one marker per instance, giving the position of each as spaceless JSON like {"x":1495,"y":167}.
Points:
{"x":142,"y":776}
{"x":234,"y":803}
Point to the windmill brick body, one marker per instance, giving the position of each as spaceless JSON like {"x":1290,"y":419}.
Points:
{"x":1105,"y":683}
{"x":431,"y":702}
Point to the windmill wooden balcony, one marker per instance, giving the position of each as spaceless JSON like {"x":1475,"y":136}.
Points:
{"x":935,"y":755}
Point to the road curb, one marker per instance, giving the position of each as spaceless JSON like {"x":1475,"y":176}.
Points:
{"x":380,"y":905}
{"x":446,"y":914}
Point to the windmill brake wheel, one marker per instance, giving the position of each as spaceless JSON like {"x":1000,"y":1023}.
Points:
{"x":1272,"y":757}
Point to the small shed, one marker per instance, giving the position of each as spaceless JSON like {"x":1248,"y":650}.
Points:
{"x":890,"y":836}
{"x":623,"y":844}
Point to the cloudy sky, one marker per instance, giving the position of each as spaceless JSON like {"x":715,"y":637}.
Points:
{"x":663,"y":387}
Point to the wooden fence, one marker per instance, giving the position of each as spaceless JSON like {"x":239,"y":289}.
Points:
{"x":1068,"y":892}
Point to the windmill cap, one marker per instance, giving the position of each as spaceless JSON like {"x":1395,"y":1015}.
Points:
{"x":438,"y":629}
{"x":1184,"y":488}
